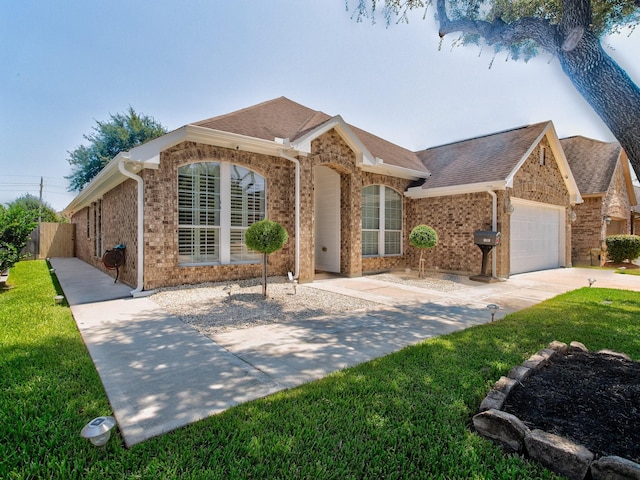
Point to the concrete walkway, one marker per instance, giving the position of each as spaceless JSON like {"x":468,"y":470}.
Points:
{"x":161,"y":374}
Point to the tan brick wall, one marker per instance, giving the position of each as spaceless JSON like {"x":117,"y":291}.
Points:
{"x":83,"y":237}
{"x":616,"y":202}
{"x":587,"y":231}
{"x":454,"y":219}
{"x":161,"y":224}
{"x":331,"y":151}
{"x":119,"y":226}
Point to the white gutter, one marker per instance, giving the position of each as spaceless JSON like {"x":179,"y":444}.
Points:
{"x":494,"y":227}
{"x":140,"y":182}
{"x":296,"y":272}
{"x":430,"y":192}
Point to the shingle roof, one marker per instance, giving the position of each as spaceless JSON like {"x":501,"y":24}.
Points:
{"x":483,"y":159}
{"x":283,"y":118}
{"x":280,"y":118}
{"x":592,"y":162}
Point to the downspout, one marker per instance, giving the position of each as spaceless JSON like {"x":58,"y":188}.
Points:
{"x":296,"y":272}
{"x":494,"y":227}
{"x":140,"y":182}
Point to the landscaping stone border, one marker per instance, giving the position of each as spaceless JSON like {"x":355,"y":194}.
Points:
{"x":557,"y":453}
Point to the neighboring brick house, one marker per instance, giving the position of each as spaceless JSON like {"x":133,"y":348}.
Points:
{"x":349,"y":199}
{"x":635,"y":214}
{"x":601,"y":170}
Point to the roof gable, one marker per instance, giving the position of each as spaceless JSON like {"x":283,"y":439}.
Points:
{"x":592,"y":162}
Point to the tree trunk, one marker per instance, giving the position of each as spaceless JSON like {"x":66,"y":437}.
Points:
{"x":609,"y":91}
{"x":264,"y":274}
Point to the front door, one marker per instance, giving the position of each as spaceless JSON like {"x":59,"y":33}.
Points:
{"x":327,"y":221}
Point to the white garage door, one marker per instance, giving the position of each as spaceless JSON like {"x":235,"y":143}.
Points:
{"x":537,"y":236}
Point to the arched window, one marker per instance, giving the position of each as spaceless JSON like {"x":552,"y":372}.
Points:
{"x":381,"y":221}
{"x":217,"y":202}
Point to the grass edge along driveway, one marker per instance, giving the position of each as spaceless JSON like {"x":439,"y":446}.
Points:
{"x":405,"y":415}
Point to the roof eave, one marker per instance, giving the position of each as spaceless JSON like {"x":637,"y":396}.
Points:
{"x":421,"y":192}
{"x":394,"y":171}
{"x":561,"y":160}
{"x":563,"y":165}
{"x":233,"y":141}
{"x":147,"y":155}
{"x":108,"y":178}
{"x":624,"y":160}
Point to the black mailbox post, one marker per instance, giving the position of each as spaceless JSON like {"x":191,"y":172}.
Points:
{"x":486,"y":240}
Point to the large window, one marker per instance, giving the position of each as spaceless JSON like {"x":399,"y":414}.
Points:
{"x":217,"y":202}
{"x":381,"y":221}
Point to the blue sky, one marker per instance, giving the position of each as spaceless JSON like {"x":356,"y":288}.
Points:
{"x":66,"y":64}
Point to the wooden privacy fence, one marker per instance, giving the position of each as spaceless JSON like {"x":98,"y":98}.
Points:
{"x":50,"y":240}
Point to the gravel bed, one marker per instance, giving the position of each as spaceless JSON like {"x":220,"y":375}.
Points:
{"x":219,"y":307}
{"x":439,"y":282}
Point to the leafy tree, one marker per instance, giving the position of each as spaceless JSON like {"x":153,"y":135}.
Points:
{"x":44,"y":211}
{"x":423,"y":237}
{"x":265,"y":236}
{"x":121,"y":133}
{"x":568,"y":29}
{"x":16,"y":224}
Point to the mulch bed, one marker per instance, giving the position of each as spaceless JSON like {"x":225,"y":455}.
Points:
{"x":627,"y":265}
{"x":592,"y":399}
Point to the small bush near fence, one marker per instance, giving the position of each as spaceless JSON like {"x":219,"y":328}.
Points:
{"x":623,"y":247}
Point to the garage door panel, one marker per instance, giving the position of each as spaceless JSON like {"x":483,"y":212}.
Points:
{"x":536,"y":237}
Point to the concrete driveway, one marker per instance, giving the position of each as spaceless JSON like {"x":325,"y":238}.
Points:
{"x":160,"y":374}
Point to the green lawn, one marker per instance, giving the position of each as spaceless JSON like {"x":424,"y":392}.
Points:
{"x":406,"y":415}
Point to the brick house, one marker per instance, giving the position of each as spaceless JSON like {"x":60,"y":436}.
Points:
{"x":601,"y":170}
{"x":349,"y":199}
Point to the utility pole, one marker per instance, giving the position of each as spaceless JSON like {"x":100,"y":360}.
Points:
{"x":39,"y":222}
{"x":40,"y":205}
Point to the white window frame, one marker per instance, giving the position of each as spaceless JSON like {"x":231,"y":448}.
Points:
{"x":225,"y":227}
{"x":382,"y":230}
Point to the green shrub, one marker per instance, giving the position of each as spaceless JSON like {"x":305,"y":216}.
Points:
{"x":623,"y":247}
{"x":16,"y":224}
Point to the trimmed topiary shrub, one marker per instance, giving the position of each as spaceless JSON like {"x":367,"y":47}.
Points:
{"x":623,"y":247}
{"x":265,"y":236}
{"x":423,"y":237}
